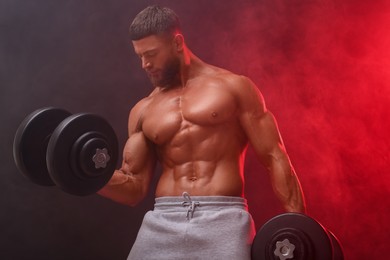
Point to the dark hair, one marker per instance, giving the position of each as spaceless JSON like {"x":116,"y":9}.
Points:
{"x":154,"y":20}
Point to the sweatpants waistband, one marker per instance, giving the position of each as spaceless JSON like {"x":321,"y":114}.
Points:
{"x":201,"y":202}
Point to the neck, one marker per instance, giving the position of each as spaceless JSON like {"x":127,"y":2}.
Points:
{"x":189,"y":67}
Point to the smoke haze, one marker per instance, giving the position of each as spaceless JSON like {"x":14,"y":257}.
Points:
{"x":322,"y":66}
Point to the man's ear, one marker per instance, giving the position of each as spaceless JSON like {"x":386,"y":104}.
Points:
{"x":179,"y":42}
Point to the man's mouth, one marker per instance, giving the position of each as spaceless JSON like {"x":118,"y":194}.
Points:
{"x":153,"y":73}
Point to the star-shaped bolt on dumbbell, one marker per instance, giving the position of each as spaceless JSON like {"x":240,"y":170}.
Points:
{"x":284,"y":249}
{"x":101,"y":158}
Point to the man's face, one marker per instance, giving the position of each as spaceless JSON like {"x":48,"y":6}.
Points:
{"x":159,"y":59}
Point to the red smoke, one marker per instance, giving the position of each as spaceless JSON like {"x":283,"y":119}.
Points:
{"x":323,"y":67}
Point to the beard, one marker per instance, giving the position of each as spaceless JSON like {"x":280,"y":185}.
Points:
{"x":168,"y":75}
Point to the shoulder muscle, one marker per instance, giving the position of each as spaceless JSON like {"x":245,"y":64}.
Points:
{"x":136,"y":116}
{"x":248,"y":96}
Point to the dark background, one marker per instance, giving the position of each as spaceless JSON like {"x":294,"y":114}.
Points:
{"x":322,"y":66}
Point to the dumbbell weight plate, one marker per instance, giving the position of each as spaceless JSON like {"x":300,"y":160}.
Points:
{"x":310,"y":239}
{"x":31,"y":140}
{"x":82,"y":154}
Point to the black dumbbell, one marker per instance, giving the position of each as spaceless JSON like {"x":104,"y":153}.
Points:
{"x":78,"y":153}
{"x":295,"y":236}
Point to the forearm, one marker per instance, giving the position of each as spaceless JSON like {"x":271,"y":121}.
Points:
{"x":286,"y":185}
{"x":124,"y":188}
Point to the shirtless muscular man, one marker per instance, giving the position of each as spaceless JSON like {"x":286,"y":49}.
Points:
{"x":197,"y":122}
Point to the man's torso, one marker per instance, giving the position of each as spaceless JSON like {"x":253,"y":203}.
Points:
{"x":197,"y":136}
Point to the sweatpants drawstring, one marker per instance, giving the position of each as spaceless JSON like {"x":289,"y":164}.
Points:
{"x":190,"y":204}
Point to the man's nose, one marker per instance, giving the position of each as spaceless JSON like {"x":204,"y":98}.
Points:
{"x":146,"y":64}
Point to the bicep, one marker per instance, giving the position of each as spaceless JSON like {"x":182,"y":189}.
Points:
{"x":138,"y":155}
{"x":259,"y":124}
{"x":263,"y":134}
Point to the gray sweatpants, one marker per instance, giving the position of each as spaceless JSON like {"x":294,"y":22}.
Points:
{"x":210,"y":227}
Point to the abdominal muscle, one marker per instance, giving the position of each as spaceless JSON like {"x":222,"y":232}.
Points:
{"x":211,"y":179}
{"x":209,"y":168}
